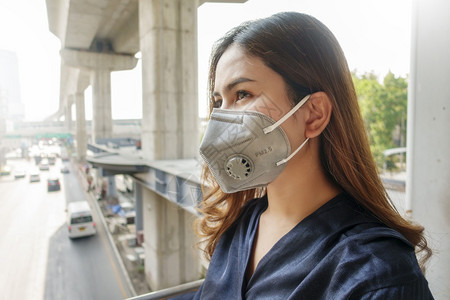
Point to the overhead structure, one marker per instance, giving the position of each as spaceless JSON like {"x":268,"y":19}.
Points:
{"x":97,"y":37}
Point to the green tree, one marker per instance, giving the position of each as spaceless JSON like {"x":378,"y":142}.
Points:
{"x":397,"y":93}
{"x":383,"y":107}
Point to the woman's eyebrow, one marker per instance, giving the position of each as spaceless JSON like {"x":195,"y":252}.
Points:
{"x":235,"y":82}
{"x":232,"y":84}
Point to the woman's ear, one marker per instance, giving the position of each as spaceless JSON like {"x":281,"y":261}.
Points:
{"x":319,"y":110}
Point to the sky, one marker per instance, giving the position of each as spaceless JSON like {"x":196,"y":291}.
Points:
{"x":374,"y":34}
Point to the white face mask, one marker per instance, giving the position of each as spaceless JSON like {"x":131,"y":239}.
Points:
{"x":246,"y":149}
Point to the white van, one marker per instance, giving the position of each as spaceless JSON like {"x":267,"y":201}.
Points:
{"x":79,"y":219}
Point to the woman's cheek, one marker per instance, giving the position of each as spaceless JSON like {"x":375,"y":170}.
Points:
{"x":267,"y":106}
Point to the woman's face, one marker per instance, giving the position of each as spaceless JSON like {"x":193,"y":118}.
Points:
{"x":244,"y":82}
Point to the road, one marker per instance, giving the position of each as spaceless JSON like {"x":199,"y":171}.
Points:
{"x":38,"y":260}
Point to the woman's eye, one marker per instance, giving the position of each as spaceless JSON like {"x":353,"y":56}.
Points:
{"x":217,"y":103}
{"x":241,"y":95}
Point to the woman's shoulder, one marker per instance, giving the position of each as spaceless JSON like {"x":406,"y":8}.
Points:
{"x":376,"y":259}
{"x":365,"y":255}
{"x":369,"y":243}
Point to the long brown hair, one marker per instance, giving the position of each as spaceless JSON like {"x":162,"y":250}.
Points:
{"x":306,"y":54}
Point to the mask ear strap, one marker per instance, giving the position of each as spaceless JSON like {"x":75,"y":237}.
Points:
{"x":283,"y":161}
{"x":271,"y":128}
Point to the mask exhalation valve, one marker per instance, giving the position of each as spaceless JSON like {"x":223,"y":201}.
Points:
{"x":239,"y":167}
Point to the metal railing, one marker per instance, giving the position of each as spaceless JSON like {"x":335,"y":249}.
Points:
{"x":170,"y":292}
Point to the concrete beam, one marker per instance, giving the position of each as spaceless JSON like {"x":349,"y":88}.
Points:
{"x":98,"y":61}
{"x":78,"y":23}
{"x":126,"y":39}
{"x":57,"y":12}
{"x":121,"y":27}
{"x":83,"y":21}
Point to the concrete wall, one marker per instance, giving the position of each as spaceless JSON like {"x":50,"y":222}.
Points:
{"x":428,"y":165}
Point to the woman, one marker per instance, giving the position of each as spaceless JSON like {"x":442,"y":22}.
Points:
{"x":294,"y":206}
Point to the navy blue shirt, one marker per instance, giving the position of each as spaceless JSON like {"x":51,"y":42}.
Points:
{"x":338,"y":252}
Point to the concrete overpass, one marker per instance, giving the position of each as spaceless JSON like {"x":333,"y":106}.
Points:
{"x":99,"y":37}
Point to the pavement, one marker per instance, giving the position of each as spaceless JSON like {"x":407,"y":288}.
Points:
{"x":121,"y":235}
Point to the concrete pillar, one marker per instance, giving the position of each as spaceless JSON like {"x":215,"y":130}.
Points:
{"x":81,"y":126}
{"x":168,"y":39}
{"x":168,"y":43}
{"x":138,"y":221}
{"x":100,"y":65}
{"x":112,"y":190}
{"x":68,"y":113}
{"x":428,"y":160}
{"x":170,"y":256}
{"x":101,"y":104}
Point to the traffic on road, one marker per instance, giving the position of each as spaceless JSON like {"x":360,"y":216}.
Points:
{"x":39,"y":259}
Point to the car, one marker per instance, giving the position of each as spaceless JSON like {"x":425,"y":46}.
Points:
{"x":52,"y":160}
{"x":65,"y":170}
{"x":44,"y":165}
{"x":53,"y":184}
{"x":35,"y":176}
{"x":19,"y":173}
